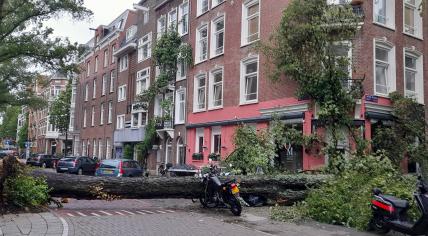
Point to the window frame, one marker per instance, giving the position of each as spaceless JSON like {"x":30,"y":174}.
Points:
{"x":171,"y":21}
{"x":94,"y":88}
{"x":106,"y":56}
{"x":120,"y":122}
{"x":243,"y":75}
{"x":145,"y":45}
{"x":86,"y":92}
{"x":215,"y":3}
{"x":85,"y":118}
{"x":199,"y":39}
{"x":104,"y":85}
{"x":102,"y":114}
{"x":124,"y":63}
{"x":214,"y":35}
{"x":245,"y":19}
{"x":391,"y":71}
{"x":93,"y":116}
{"x":178,"y":104}
{"x":96,"y":64}
{"x":112,"y":80}
{"x":199,"y":10}
{"x":161,"y":30}
{"x":196,"y":105}
{"x":389,"y":15}
{"x":417,"y":20}
{"x":110,"y":112}
{"x":199,"y":134}
{"x":181,"y":15}
{"x":216,"y":130}
{"x":138,"y":90}
{"x":88,"y":68}
{"x":419,"y":92}
{"x":121,"y":93}
{"x":211,"y":90}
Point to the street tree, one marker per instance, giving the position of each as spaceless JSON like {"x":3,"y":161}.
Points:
{"x":59,"y":115}
{"x":23,"y":134}
{"x":26,"y":43}
{"x":9,"y":123}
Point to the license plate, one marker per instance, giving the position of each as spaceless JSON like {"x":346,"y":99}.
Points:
{"x":235,"y":190}
{"x":64,"y":168}
{"x":108,"y":172}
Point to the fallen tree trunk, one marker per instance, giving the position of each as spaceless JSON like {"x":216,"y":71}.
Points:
{"x":287,"y":188}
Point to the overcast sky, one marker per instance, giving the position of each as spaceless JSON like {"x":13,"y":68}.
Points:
{"x":104,"y":11}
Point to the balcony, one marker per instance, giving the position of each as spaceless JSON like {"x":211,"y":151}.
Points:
{"x":129,"y":135}
{"x":165,"y":128}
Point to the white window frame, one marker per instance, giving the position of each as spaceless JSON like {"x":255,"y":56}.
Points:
{"x":199,"y":40}
{"x":391,"y":71}
{"x":216,"y":130}
{"x":243,"y":89}
{"x":106,"y":56}
{"x":180,"y":76}
{"x":108,"y":149}
{"x":171,"y":20}
{"x":417,"y":29}
{"x":211,"y":93}
{"x":245,"y":19}
{"x":104,"y":85}
{"x":181,"y":16}
{"x":215,"y":3}
{"x":86,"y":92}
{"x":145,"y":44}
{"x":120,"y":121}
{"x":88,"y":68}
{"x":121,"y":93}
{"x":349,"y":56}
{"x":199,"y":7}
{"x":113,"y":75}
{"x":102,"y":114}
{"x":418,"y":94}
{"x":161,"y":30}
{"x":141,"y":77}
{"x":96,"y":64}
{"x":123,"y":63}
{"x":389,"y":14}
{"x":85,"y":118}
{"x":178,"y":104}
{"x":93,"y":116}
{"x":196,"y":105}
{"x":214,"y":35}
{"x":146,"y":15}
{"x":94,"y":88}
{"x":140,"y":119}
{"x":113,"y":57}
{"x":110,"y":112}
{"x":199,"y":133}
{"x":130,"y":32}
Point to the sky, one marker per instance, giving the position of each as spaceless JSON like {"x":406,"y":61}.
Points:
{"x":104,"y":11}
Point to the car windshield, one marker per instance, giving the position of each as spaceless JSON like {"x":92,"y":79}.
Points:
{"x":68,"y":159}
{"x":111,"y":164}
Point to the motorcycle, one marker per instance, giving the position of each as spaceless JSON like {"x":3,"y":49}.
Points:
{"x":217,"y":194}
{"x":390,"y":213}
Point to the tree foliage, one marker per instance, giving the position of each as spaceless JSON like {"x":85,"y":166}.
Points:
{"x":59,"y":112}
{"x":23,"y":133}
{"x":10,"y":122}
{"x":26,"y":43}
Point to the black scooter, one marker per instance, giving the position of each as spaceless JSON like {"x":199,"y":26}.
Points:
{"x":390,"y":213}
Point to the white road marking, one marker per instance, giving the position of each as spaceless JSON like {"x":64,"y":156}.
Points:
{"x":69,"y":214}
{"x":129,"y":212}
{"x":64,"y":226}
{"x":169,"y":211}
{"x":162,"y":212}
{"x":119,"y":213}
{"x":106,"y":213}
{"x":95,"y":214}
{"x":80,"y":213}
{"x":139,"y":212}
{"x":150,"y":212}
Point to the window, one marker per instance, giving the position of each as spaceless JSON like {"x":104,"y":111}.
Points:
{"x":123,"y":63}
{"x":102,"y":114}
{"x":249,"y":80}
{"x":108,"y":149}
{"x":216,"y":89}
{"x":216,"y":3}
{"x":110,"y":112}
{"x":181,"y":70}
{"x":94,"y":151}
{"x":113,"y":50}
{"x":413,"y":78}
{"x":202,"y":43}
{"x":183,"y":16}
{"x":216,"y":140}
{"x":158,"y":108}
{"x":121,"y":94}
{"x":172,"y":19}
{"x":199,"y":140}
{"x":112,"y":80}
{"x":202,"y":7}
{"x":88,"y":68}
{"x":412,"y":18}
{"x":100,"y":149}
{"x":94,"y":88}
{"x":384,"y":12}
{"x":384,"y":68}
{"x":145,"y":47}
{"x":120,"y":122}
{"x":250,"y":21}
{"x":180,"y":106}
{"x":84,"y":118}
{"x":145,"y":17}
{"x":86,"y":92}
{"x":200,"y":93}
{"x":130,"y":32}
{"x":343,"y":53}
{"x":143,"y":80}
{"x":104,"y":85}
{"x":96,"y":65}
{"x":93,"y":116}
{"x":106,"y":58}
{"x":161,"y":27}
{"x":217,"y":36}
{"x":139,"y":119}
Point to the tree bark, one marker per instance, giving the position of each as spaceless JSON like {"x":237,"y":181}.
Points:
{"x":285,"y":188}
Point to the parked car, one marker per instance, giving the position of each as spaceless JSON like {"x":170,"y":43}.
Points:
{"x":42,"y":160}
{"x":76,"y":165}
{"x":119,"y":168}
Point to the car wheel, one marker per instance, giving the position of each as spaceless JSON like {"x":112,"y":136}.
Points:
{"x":79,"y":171}
{"x":44,"y":165}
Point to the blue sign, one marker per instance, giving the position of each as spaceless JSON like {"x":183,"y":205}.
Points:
{"x":372,"y":98}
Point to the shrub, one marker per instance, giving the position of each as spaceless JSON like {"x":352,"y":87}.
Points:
{"x":345,"y":200}
{"x":26,"y":191}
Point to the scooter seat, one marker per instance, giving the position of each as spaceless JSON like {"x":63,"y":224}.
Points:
{"x":399,"y":203}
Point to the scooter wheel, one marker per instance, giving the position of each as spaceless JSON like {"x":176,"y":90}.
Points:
{"x":378,"y":226}
{"x":235,"y":206}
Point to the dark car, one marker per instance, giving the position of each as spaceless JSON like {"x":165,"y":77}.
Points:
{"x":76,"y":165}
{"x":119,"y":168}
{"x":42,"y":160}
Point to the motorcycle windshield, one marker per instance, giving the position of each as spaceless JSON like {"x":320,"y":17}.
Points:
{"x":216,"y":181}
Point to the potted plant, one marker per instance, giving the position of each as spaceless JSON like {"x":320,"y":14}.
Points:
{"x":198,"y":156}
{"x":214,"y":156}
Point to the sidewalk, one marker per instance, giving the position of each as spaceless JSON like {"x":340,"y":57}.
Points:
{"x":31,"y":224}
